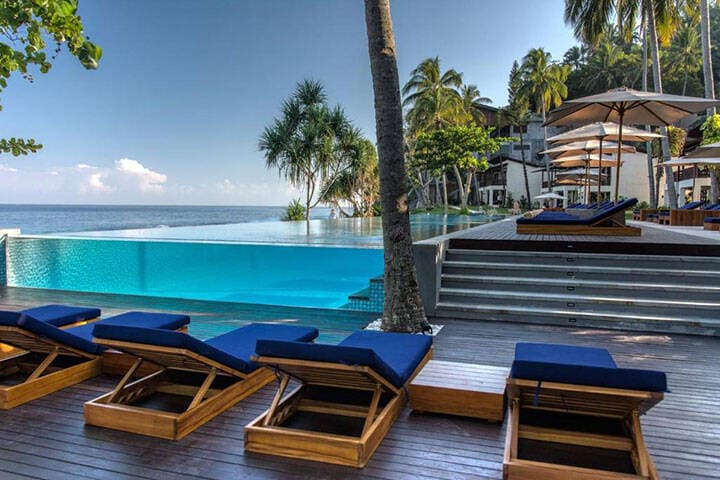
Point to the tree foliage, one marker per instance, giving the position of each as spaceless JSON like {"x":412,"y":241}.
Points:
{"x":711,"y":130}
{"x":295,"y":211}
{"x":358,"y":184}
{"x":30,"y":28}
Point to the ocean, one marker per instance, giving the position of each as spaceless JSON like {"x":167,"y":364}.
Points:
{"x":39,"y":219}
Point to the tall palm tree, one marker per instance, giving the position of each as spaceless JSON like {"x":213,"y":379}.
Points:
{"x":310,"y":143}
{"x":543,"y":81}
{"x":708,"y":80}
{"x":683,"y":55}
{"x":602,"y":66}
{"x":432,"y":96}
{"x":473,"y":103}
{"x":576,"y":56}
{"x":517,"y":114}
{"x":403,"y":309}
{"x":592,"y":18}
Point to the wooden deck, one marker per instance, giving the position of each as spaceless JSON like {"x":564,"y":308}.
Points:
{"x":654,"y":240}
{"x":47,"y":438}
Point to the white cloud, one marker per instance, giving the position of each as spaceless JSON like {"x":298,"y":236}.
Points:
{"x":6,"y":168}
{"x":133,"y":174}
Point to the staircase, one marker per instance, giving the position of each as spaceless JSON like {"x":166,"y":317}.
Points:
{"x":660,"y":293}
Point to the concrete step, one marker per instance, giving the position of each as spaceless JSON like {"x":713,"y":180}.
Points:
{"x":602,"y":273}
{"x":654,"y":289}
{"x":583,"y":303}
{"x":549,"y":316}
{"x":585,"y":259}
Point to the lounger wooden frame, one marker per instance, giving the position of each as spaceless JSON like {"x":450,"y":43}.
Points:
{"x":266,"y":434}
{"x":609,"y":226}
{"x":43,"y":377}
{"x":613,"y":403}
{"x":115,"y":410}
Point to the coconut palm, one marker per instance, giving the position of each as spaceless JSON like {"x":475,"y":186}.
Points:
{"x":432,"y":96}
{"x":473,"y":104}
{"x":683,"y":52}
{"x":543,"y":81}
{"x":592,"y":18}
{"x":708,"y":80}
{"x":576,"y":56}
{"x":403,"y":309}
{"x":310,"y":144}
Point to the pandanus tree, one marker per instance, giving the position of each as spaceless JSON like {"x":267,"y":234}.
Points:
{"x":591,"y":19}
{"x":310,"y":144}
{"x":403,"y":309}
{"x":357,"y":185}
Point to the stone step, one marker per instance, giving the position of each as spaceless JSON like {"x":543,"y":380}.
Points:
{"x":549,"y":316}
{"x":654,"y":289}
{"x":669,"y":276}
{"x":582,"y":303}
{"x":585,"y":259}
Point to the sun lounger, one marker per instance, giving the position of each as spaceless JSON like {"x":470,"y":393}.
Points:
{"x":602,"y":221}
{"x":62,"y":315}
{"x":711,"y":223}
{"x":575,"y":414}
{"x":349,"y":395}
{"x":51,"y":358}
{"x":198,"y":381}
{"x":687,"y":215}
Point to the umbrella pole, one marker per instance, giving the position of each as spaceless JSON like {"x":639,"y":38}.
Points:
{"x":599,"y":173}
{"x":621,"y":113}
{"x":587,"y":179}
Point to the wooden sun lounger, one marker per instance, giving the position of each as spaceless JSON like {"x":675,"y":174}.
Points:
{"x":327,"y":389}
{"x":36,"y":361}
{"x":610,"y":222}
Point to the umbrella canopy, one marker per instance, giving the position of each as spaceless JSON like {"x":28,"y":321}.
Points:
{"x":604,"y":131}
{"x":579,"y":171}
{"x":549,"y":196}
{"x":574,"y":181}
{"x":581,"y":161}
{"x":691,"y":161}
{"x":711,"y":150}
{"x":586,"y":146}
{"x":625,"y":105}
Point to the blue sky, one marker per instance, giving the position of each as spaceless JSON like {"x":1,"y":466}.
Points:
{"x":173,"y":114}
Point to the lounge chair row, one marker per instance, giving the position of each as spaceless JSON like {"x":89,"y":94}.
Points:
{"x":689,"y":215}
{"x":560,"y":396}
{"x":606,"y":219}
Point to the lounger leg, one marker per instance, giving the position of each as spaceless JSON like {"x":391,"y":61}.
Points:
{"x":44,"y":365}
{"x":125,"y":380}
{"x":202,"y":391}
{"x":373,"y":408}
{"x":276,"y":400}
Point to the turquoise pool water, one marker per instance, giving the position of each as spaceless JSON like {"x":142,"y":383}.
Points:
{"x":264,"y":274}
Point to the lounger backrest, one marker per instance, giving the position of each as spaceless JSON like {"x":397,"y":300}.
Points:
{"x":610,"y":211}
{"x":22,"y":331}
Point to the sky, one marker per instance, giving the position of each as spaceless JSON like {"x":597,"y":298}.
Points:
{"x":185,"y":87}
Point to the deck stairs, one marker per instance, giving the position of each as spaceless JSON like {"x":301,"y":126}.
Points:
{"x":661,"y":293}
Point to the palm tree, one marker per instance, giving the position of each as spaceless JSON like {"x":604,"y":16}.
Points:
{"x":473,"y":103}
{"x":403,"y":310}
{"x":683,"y":52}
{"x":576,"y":56}
{"x":708,"y":79}
{"x":358,"y":184}
{"x":310,"y":143}
{"x":592,"y":18}
{"x":517,"y":114}
{"x":432,"y":96}
{"x":602,"y":67}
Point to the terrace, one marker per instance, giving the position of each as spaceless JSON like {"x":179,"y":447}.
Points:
{"x":47,"y":438}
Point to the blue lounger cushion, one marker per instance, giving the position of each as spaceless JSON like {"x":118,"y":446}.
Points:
{"x":80,"y":337}
{"x":562,"y":218}
{"x":394,"y":356}
{"x":61,"y":315}
{"x":581,"y":366}
{"x":233,"y":349}
{"x":711,"y":220}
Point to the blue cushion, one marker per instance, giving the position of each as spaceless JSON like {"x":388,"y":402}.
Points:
{"x":562,"y":218}
{"x":711,"y":220}
{"x":580,"y":366}
{"x":394,"y":356}
{"x":60,"y":315}
{"x":233,"y":349}
{"x":163,"y":321}
{"x":46,"y":330}
{"x":691,"y":205}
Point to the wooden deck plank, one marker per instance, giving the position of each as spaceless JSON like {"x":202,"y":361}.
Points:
{"x":47,"y":438}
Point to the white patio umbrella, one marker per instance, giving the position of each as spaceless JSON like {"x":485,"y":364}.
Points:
{"x":711,"y":150}
{"x":549,"y":196}
{"x":628,"y":106}
{"x":602,"y":131}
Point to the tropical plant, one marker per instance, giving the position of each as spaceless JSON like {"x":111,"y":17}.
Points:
{"x":295,"y":211}
{"x":311,"y":143}
{"x":432,"y":96}
{"x":682,"y":55}
{"x":461,"y":149}
{"x":403,"y":309}
{"x":517,"y":114}
{"x":358,"y":184}
{"x":31,"y":24}
{"x":711,"y":134}
{"x":543,"y":81}
{"x":473,"y":104}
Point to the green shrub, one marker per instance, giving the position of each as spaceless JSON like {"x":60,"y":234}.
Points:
{"x":464,"y":211}
{"x":295,"y":211}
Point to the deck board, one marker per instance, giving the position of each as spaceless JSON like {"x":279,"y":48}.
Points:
{"x":47,"y":437}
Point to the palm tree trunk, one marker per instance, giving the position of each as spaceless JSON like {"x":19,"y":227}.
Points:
{"x":648,"y":145}
{"x":403,"y":310}
{"x":524,"y":165}
{"x":445,"y":194}
{"x":670,"y":196}
{"x":308,"y":199}
{"x":709,"y":81}
{"x":461,"y":187}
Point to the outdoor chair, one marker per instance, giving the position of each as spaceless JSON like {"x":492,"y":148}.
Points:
{"x":348,"y":398}
{"x":711,"y":223}
{"x":62,"y":315}
{"x":50,"y":359}
{"x":683,"y":216}
{"x":604,"y":221}
{"x":198,"y":379}
{"x":575,"y":414}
